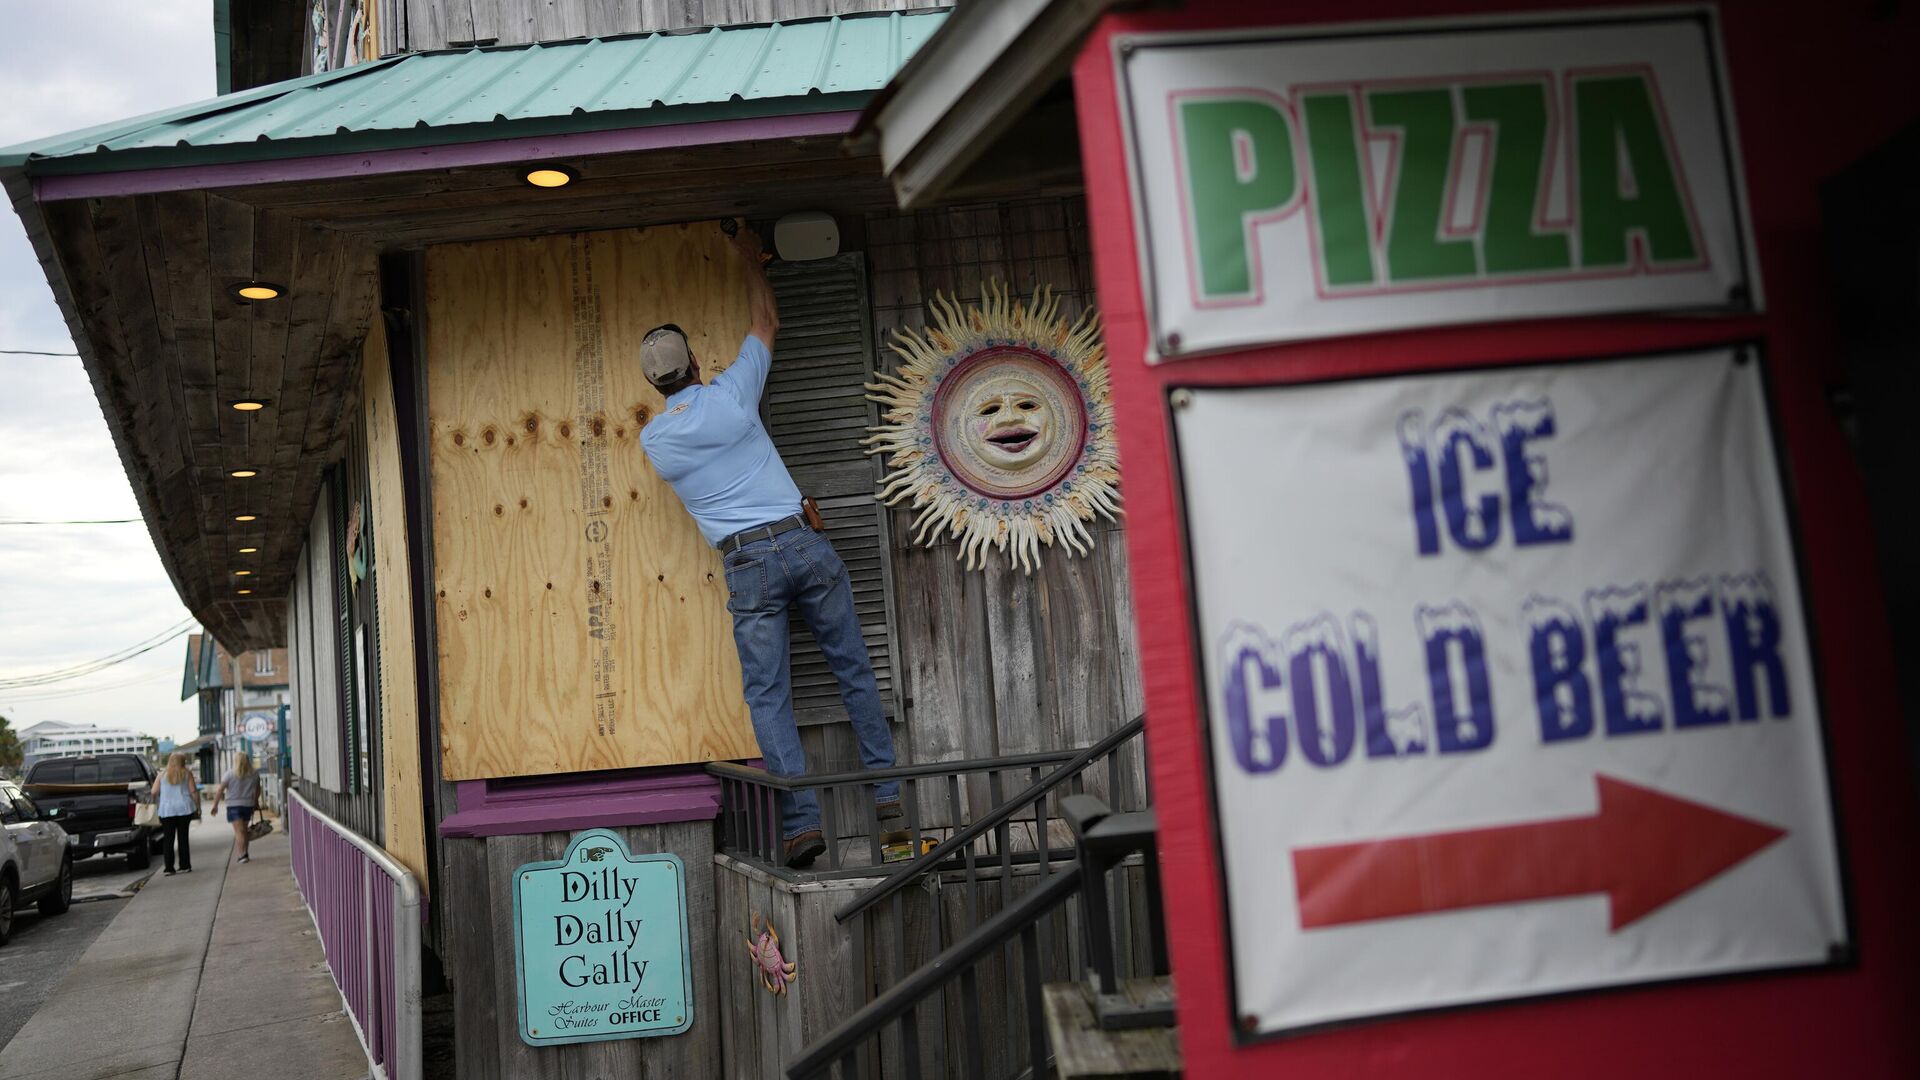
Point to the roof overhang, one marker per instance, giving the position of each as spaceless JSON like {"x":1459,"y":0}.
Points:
{"x":142,"y":227}
{"x":988,"y":79}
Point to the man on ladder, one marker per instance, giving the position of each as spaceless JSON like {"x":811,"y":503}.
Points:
{"x":709,"y":444}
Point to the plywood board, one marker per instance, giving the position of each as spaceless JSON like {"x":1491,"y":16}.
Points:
{"x":405,"y":837}
{"x":582,"y":619}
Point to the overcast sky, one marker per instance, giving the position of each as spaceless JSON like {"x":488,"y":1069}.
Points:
{"x":71,"y":594}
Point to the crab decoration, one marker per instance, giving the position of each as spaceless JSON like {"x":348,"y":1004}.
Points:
{"x":763,"y":945}
{"x":997,"y":426}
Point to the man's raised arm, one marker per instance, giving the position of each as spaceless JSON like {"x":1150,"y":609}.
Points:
{"x":766,"y":315}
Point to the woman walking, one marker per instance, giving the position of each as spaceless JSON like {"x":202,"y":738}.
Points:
{"x":179,"y":799}
{"x":241,"y":787}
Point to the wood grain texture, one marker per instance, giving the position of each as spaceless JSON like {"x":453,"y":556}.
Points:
{"x":323,"y":615}
{"x":480,"y":963}
{"x":468,"y":957}
{"x":518,"y":501}
{"x":405,"y":835}
{"x":431,"y":25}
{"x":1000,"y":662}
{"x":1084,"y":1051}
{"x":764,"y":1031}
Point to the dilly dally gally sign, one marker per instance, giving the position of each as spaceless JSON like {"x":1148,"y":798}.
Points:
{"x":600,"y":944}
{"x":1305,"y":184}
{"x":1509,"y":687}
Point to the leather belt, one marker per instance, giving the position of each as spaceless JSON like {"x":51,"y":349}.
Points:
{"x":730,"y":544}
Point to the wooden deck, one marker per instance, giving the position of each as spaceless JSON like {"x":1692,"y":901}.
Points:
{"x":1082,"y":1050}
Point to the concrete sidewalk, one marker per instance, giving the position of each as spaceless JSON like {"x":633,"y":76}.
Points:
{"x":203,"y":976}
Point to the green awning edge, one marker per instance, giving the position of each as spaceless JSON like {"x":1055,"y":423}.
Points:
{"x":85,"y":151}
{"x":171,"y":156}
{"x":35,"y":153}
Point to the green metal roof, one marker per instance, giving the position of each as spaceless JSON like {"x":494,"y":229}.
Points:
{"x":459,"y":95}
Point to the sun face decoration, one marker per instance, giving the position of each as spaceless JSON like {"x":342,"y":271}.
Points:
{"x":999,"y":428}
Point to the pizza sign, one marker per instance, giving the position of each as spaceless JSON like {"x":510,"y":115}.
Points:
{"x":1297,"y":187}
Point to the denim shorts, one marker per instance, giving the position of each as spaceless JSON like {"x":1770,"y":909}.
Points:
{"x":239,"y":813}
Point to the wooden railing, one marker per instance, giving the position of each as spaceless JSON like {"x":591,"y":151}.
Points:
{"x":1010,"y":864}
{"x":1103,"y":841}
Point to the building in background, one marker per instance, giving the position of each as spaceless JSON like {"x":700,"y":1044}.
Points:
{"x":62,"y":739}
{"x":241,"y":698}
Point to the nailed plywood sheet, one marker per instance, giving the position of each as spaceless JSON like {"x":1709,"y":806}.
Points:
{"x":405,"y":831}
{"x":582,"y":619}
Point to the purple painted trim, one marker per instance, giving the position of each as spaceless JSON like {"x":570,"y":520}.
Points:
{"x":583,"y":801}
{"x":447,"y":156}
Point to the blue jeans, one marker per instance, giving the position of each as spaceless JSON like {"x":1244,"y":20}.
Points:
{"x":800,"y":568}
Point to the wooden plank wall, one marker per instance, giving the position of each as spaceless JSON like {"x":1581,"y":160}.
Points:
{"x":556,"y":547}
{"x":434,"y":24}
{"x":267,"y":43}
{"x":997,"y":662}
{"x":322,"y":637}
{"x":299,"y":673}
{"x":480,"y":963}
{"x":399,"y":709}
{"x":763,"y":1032}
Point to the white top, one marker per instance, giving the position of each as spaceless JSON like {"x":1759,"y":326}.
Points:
{"x":176,"y":800}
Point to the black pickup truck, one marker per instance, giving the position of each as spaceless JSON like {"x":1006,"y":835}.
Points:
{"x":94,"y":799}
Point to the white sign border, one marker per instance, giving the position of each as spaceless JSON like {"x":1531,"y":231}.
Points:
{"x":1124,"y":46}
{"x":1845,"y":954}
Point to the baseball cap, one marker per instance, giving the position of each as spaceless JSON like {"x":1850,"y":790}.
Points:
{"x":664,"y":355}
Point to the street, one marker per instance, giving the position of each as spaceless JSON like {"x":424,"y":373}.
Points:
{"x":41,"y":953}
{"x":107,"y":877}
{"x":44,"y":949}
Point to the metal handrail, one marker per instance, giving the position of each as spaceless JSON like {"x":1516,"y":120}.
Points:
{"x":408,"y":1063}
{"x":1070,"y":767}
{"x":1013,"y":919}
{"x":409,"y":885}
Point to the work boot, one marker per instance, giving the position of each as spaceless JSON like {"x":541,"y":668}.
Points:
{"x":889,"y":810}
{"x":803,"y":849}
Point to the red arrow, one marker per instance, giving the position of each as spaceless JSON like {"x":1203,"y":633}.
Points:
{"x":1643,"y":849}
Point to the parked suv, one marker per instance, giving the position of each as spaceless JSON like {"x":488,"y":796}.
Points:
{"x":94,"y":799}
{"x":34,"y":864}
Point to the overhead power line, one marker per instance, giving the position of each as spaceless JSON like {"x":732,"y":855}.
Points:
{"x":34,"y":352}
{"x":59,"y":693}
{"x":76,"y":671}
{"x":78,"y":521}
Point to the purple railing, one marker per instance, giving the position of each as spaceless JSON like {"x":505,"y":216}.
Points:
{"x":366,"y":908}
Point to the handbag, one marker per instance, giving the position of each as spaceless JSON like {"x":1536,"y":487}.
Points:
{"x":146,"y":814}
{"x":258,"y":828}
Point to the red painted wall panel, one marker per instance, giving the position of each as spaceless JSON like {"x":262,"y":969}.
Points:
{"x":1815,"y":88}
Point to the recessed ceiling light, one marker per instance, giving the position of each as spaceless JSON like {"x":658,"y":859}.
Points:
{"x":241,"y":573}
{"x":243,"y":592}
{"x":246,"y":517}
{"x":548,"y":176}
{"x":242,"y":474}
{"x":248,"y":405}
{"x":250,"y":291}
{"x":248,"y":551}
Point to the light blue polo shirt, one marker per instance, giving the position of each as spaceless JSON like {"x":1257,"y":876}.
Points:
{"x":709,"y":444}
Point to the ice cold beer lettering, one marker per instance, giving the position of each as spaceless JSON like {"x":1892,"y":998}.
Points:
{"x":1595,"y":653}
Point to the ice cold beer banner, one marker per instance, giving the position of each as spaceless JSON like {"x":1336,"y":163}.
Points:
{"x":1302,"y":185}
{"x":1509,"y":686}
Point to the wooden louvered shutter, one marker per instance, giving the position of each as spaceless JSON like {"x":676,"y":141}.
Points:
{"x":817,"y":413}
{"x":343,"y":636}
